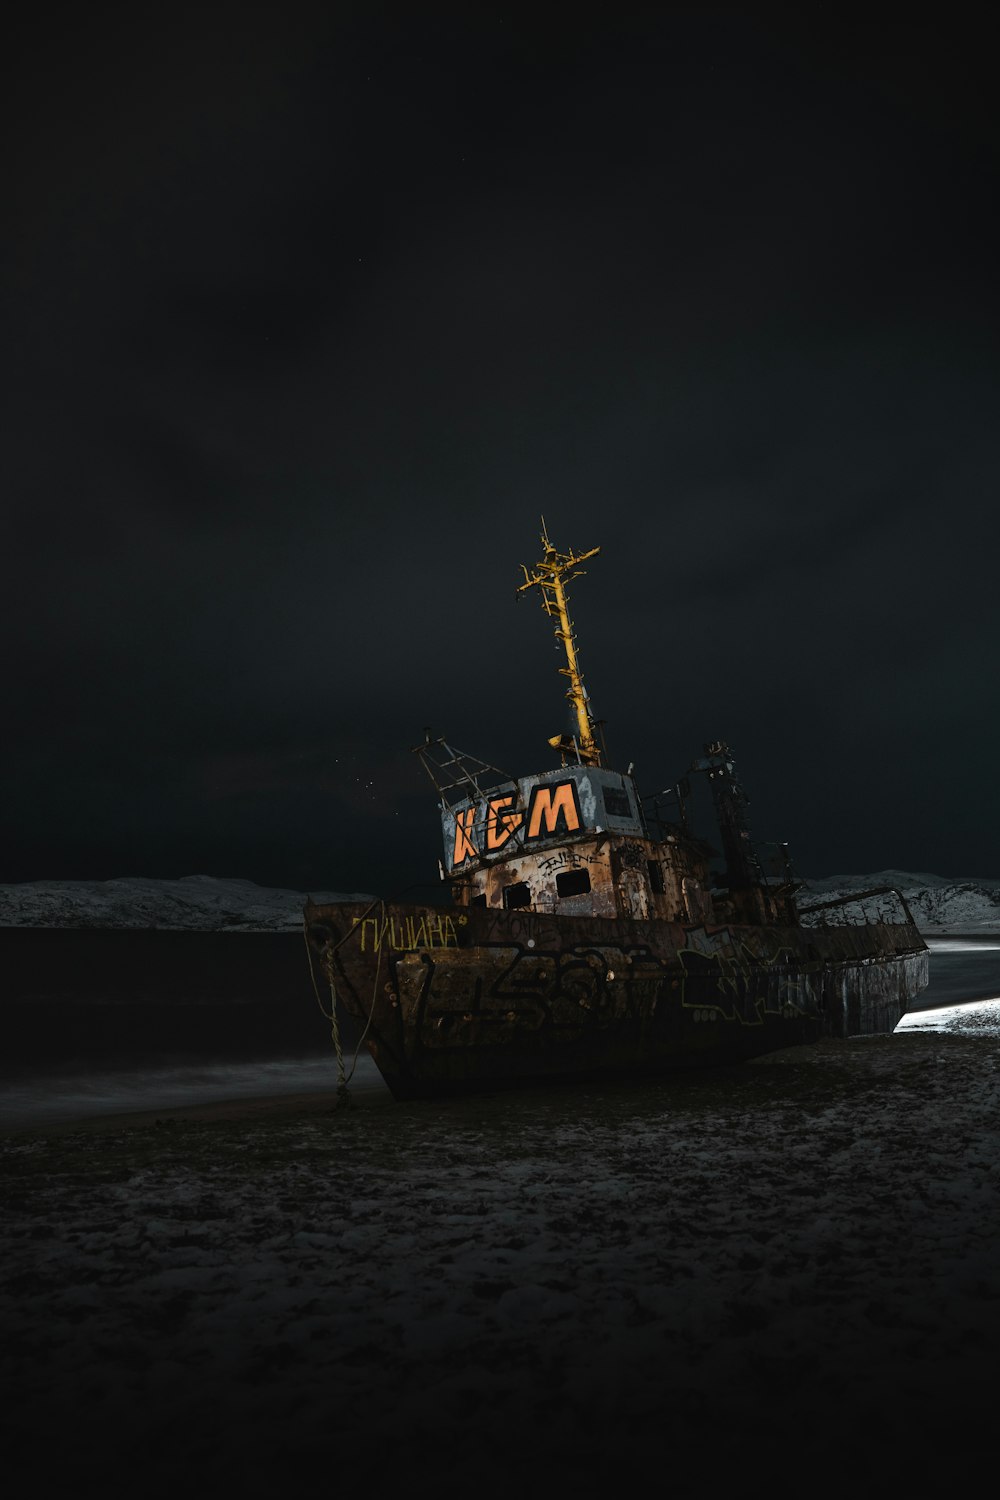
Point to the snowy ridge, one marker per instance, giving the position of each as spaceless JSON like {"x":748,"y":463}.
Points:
{"x":199,"y":903}
{"x":938,"y":904}
{"x":207,"y":904}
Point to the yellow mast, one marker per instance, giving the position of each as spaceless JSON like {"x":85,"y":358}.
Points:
{"x":551,"y":576}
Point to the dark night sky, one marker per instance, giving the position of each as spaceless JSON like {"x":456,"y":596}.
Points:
{"x":308,"y":316}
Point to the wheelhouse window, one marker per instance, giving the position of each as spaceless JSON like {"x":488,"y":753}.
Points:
{"x":479,"y":900}
{"x":516,"y":895}
{"x":573,"y":883}
{"x":655,"y":877}
{"x":616,"y":803}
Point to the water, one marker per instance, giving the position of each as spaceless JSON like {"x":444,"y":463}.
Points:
{"x":57,"y":1097}
{"x":962,"y":970}
{"x":963,"y":996}
{"x":964,"y":993}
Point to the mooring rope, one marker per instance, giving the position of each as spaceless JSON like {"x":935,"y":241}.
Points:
{"x":331,"y":1015}
{"x":335,"y":1029}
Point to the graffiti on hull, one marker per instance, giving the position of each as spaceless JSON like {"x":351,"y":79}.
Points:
{"x":406,"y":933}
{"x":731,"y":978}
{"x":718,"y":976}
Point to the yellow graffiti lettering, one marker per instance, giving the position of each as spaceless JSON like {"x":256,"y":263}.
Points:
{"x":406,"y":934}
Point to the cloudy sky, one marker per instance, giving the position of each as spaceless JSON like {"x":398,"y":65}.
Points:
{"x":311,"y":313}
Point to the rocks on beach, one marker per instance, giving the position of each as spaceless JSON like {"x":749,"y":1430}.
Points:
{"x":710,"y":1279}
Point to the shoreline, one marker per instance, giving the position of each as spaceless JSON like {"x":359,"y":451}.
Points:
{"x":268,"y":1108}
{"x":370,"y":1094}
{"x":190,"y":1063}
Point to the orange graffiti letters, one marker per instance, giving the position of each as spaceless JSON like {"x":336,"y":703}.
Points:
{"x":464,"y":847}
{"x":552,"y":803}
{"x":500,"y":824}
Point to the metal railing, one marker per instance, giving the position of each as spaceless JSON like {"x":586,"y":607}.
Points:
{"x":883,"y":903}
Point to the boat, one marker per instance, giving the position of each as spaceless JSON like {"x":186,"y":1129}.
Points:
{"x":581,"y":934}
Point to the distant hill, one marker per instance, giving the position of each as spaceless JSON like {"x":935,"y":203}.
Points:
{"x":198,"y":903}
{"x":206,"y":903}
{"x":939,"y":904}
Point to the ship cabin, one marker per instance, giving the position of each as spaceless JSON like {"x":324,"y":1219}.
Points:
{"x":574,"y":842}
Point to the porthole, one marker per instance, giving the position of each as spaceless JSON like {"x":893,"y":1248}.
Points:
{"x":573,"y":883}
{"x":518,"y":894}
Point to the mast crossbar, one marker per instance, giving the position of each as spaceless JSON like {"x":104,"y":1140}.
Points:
{"x":550,"y":577}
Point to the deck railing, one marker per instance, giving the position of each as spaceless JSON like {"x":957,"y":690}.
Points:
{"x":883,"y":903}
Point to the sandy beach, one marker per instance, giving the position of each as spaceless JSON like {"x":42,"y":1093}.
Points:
{"x":717,"y":1276}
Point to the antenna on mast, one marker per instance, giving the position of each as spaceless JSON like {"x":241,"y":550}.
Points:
{"x":551,"y":576}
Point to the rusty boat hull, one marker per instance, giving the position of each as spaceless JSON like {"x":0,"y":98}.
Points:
{"x":455,"y":1000}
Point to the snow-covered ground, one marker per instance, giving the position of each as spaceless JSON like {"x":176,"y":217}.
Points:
{"x":207,"y":903}
{"x":974,"y":1018}
{"x":779,"y":1276}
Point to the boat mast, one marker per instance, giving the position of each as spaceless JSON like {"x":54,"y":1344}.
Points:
{"x":551,"y":576}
